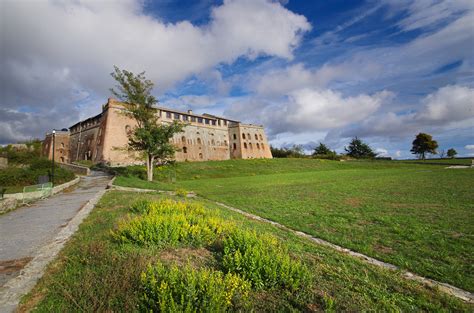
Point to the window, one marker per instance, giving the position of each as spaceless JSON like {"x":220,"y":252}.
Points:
{"x":258,"y":146}
{"x":185,"y":150}
{"x":243,"y":136}
{"x":207,"y":121}
{"x":183,"y":139}
{"x":62,"y":144}
{"x":245,"y":145}
{"x":248,"y":136}
{"x":214,"y":122}
{"x":225,"y":142}
{"x":185,"y":117}
{"x":200,"y":120}
{"x":193,"y":119}
{"x":261,"y":138}
{"x":199,"y":141}
{"x":168,"y":114}
{"x":256,"y":137}
{"x":235,"y":137}
{"x":225,"y":122}
{"x":263,"y":146}
{"x":213,"y":142}
{"x":62,"y":159}
{"x":235,"y":146}
{"x":200,"y":155}
{"x":176,"y":116}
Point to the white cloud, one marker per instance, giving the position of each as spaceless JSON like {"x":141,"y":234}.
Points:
{"x":309,"y":110}
{"x":57,"y":53}
{"x":382,"y":152}
{"x":469,"y":147}
{"x":451,"y":106}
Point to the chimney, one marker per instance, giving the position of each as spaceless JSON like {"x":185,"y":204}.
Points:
{"x":190,"y":111}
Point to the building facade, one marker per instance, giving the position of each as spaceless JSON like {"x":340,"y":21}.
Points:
{"x":103,"y":138}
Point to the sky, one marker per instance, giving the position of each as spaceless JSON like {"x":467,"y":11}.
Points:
{"x":309,"y":71}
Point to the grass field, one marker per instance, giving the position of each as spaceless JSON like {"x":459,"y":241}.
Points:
{"x":419,"y":217}
{"x":94,"y":272}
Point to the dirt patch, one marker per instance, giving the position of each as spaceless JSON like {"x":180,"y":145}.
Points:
{"x":197,"y":258}
{"x":12,"y":266}
{"x":383,"y":249}
{"x":353,"y":202}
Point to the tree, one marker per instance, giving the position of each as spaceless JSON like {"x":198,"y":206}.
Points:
{"x":452,"y":153}
{"x":423,"y":144}
{"x":358,"y":149}
{"x":322,"y":149}
{"x":151,"y":138}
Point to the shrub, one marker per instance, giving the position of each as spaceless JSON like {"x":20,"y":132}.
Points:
{"x":180,"y":192}
{"x":171,"y":223}
{"x":190,"y":290}
{"x":263,"y":261}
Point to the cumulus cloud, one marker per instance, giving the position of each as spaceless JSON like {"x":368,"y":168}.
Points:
{"x":55,"y":53}
{"x":469,"y":147}
{"x":448,"y":107}
{"x":310,"y":110}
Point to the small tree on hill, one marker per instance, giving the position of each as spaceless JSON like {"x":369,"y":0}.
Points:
{"x":359,"y":149}
{"x":322,"y":149}
{"x":452,"y":153}
{"x":149,"y":137}
{"x":423,"y":144}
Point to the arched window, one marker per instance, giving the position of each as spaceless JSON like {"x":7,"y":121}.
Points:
{"x":200,"y":155}
{"x":225,"y":142}
{"x":183,"y":139}
{"x":235,"y":146}
{"x":258,"y":145}
{"x":261,"y":138}
{"x":256,"y":137}
{"x":243,"y":136}
{"x":235,"y":137}
{"x":199,"y":141}
{"x":248,"y":136}
{"x":62,"y":159}
{"x":245,"y":145}
{"x":185,"y":150}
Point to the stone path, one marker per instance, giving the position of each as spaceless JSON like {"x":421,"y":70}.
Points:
{"x":27,"y":233}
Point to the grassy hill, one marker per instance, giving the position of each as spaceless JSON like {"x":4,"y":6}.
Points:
{"x":416,"y":216}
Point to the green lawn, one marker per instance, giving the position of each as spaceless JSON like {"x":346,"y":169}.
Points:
{"x":449,"y":161}
{"x":96,"y":273}
{"x":419,"y":217}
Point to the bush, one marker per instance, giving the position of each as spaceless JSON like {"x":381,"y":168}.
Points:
{"x":171,"y":223}
{"x":190,"y":290}
{"x":263,"y":261}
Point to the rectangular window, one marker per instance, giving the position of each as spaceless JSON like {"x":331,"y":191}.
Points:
{"x":214,"y":122}
{"x":193,"y":119}
{"x":176,"y":116}
{"x":185,"y":117}
{"x":207,"y":121}
{"x":168,"y":114}
{"x":200,"y":120}
{"x":225,"y":122}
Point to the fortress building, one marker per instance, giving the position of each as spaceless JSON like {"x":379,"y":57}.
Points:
{"x":103,"y":138}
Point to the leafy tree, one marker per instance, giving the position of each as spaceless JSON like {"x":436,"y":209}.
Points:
{"x":423,"y":144}
{"x":452,"y":153}
{"x":149,"y":137}
{"x":322,"y":149}
{"x":296,"y":151}
{"x":359,"y":149}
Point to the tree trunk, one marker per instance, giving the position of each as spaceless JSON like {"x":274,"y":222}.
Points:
{"x":149,"y":167}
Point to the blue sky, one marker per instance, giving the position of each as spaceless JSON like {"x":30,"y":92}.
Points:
{"x":310,"y":71}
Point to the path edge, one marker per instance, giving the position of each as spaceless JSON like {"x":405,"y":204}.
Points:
{"x":12,"y":292}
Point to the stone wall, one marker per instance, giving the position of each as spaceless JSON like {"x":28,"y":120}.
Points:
{"x":77,"y":169}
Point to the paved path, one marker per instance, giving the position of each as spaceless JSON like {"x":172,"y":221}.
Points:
{"x":24,"y":231}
